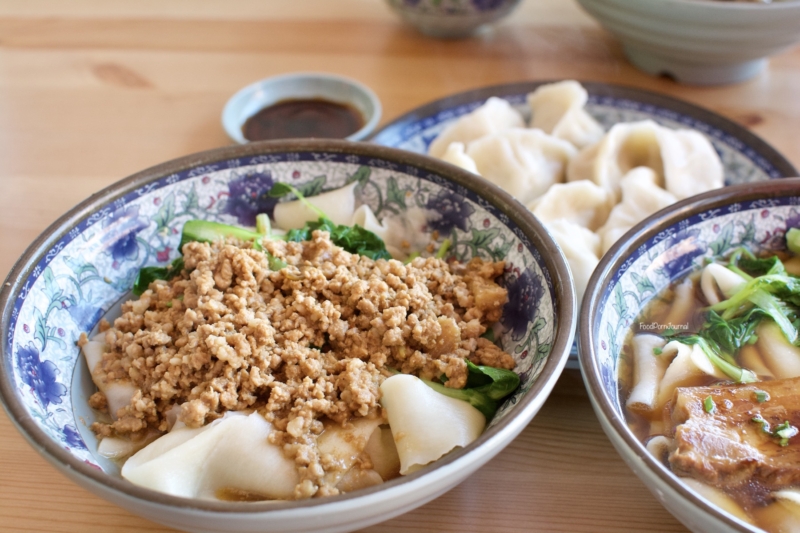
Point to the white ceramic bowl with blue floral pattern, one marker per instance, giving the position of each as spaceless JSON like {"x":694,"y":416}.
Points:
{"x":449,"y":19}
{"x":664,"y":248}
{"x":86,"y":262}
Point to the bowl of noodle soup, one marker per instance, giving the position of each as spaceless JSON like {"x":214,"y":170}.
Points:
{"x":656,"y":293}
{"x":82,"y":268}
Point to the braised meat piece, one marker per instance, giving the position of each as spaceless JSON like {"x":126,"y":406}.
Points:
{"x":740,"y":435}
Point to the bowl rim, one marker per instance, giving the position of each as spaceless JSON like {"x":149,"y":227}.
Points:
{"x":552,"y":259}
{"x":599,"y":284}
{"x":233,"y":126}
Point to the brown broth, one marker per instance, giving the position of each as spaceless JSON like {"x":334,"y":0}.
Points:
{"x":754,"y":500}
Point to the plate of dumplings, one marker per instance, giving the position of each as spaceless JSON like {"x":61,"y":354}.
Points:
{"x":590,"y":160}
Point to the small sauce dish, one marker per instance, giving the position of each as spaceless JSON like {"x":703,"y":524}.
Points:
{"x":304,"y":104}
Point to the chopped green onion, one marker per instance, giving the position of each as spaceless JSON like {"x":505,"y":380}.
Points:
{"x":761,"y":396}
{"x":784,"y":432}
{"x":708,"y":404}
{"x":263,"y":225}
{"x":275,"y":264}
{"x":763,"y":423}
{"x":657,"y":351}
{"x":793,"y":240}
{"x":443,"y":249}
{"x":411,"y":257}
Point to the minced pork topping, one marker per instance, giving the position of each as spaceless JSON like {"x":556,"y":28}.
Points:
{"x":312,"y":340}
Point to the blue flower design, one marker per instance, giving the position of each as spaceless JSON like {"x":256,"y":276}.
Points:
{"x":120,"y":237}
{"x":609,"y":379}
{"x":450,"y":211}
{"x":487,"y":5}
{"x":40,"y":376}
{"x":680,"y":256}
{"x":793,"y":220}
{"x":524,"y":294}
{"x":85,"y":315}
{"x":73,"y":438}
{"x":248,"y":197}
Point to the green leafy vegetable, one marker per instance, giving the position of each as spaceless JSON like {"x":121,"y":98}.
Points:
{"x":776,"y":294}
{"x":147,"y":275}
{"x":354,"y":239}
{"x":766,"y":266}
{"x":476,"y":399}
{"x":485,"y":387}
{"x":496,"y":383}
{"x":731,"y":335}
{"x":720,"y":359}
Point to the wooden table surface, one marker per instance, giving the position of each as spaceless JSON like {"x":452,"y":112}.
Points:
{"x":92,"y":91}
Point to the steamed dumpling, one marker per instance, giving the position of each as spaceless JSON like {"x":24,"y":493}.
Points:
{"x":581,"y":248}
{"x":641,"y":197}
{"x":691,"y":165}
{"x":455,"y":155}
{"x":683,"y":161}
{"x":582,"y":202}
{"x":626,"y":146}
{"x":523,"y":162}
{"x":558,"y":109}
{"x":493,"y":116}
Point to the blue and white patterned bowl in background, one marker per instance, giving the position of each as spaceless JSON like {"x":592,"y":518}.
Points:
{"x":662,"y":249}
{"x":745,"y":157}
{"x":86,"y":262}
{"x":451,"y":18}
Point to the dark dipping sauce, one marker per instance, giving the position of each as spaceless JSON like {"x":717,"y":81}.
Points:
{"x":312,"y":117}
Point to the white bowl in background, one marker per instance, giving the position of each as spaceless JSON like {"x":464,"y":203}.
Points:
{"x":451,"y":19}
{"x":299,"y":85}
{"x":701,"y":42}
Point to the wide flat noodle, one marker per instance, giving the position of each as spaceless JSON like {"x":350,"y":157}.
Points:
{"x":230,"y":453}
{"x":426,"y":424}
{"x":345,"y":444}
{"x":338,"y":204}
